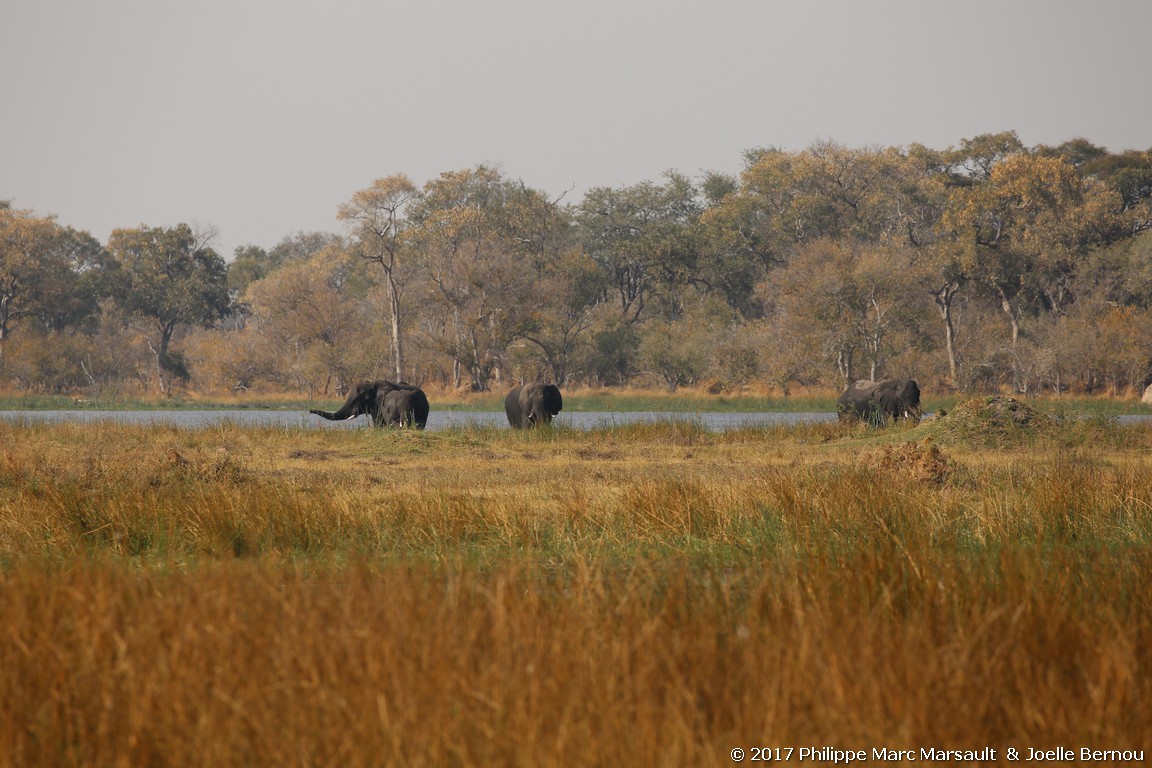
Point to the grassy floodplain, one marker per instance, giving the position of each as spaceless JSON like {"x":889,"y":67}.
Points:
{"x":642,"y":595}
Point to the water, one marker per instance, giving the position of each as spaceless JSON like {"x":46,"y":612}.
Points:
{"x":443,"y":419}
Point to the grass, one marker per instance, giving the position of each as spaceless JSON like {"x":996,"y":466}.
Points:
{"x":644,"y":594}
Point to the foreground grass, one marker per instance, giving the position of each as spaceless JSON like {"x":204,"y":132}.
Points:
{"x":651,"y":594}
{"x":166,"y":494}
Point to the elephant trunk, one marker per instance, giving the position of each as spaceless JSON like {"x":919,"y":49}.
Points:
{"x":327,"y":415}
{"x":343,"y":414}
{"x":539,"y":416}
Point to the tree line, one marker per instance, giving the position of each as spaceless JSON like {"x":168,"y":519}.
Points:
{"x":986,"y":266}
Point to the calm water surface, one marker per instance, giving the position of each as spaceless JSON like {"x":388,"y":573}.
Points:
{"x":444,"y":419}
{"x":436,"y":420}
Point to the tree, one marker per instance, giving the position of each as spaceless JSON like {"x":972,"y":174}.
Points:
{"x":568,"y":294}
{"x":851,"y":193}
{"x":377,"y":215}
{"x":831,"y":192}
{"x":972,"y":162}
{"x":851,"y":301}
{"x":675,"y":353}
{"x":237,"y":359}
{"x":168,"y":279}
{"x":615,"y":349}
{"x":944,"y":284}
{"x":81,"y":278}
{"x":788,"y":200}
{"x":302,"y":245}
{"x":733,"y":254}
{"x":946,"y":277}
{"x":52,"y":279}
{"x":705,"y":343}
{"x":249,"y":264}
{"x":484,"y":240}
{"x":1129,"y":173}
{"x":1023,"y":230}
{"x":643,"y":238}
{"x":314,"y":317}
{"x":29,"y":257}
{"x":1119,"y":274}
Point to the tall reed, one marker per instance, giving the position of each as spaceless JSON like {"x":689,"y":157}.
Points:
{"x":649,"y":594}
{"x":655,"y":662}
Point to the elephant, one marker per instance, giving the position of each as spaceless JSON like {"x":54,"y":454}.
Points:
{"x":406,"y":408}
{"x":388,"y":403}
{"x":876,"y":402}
{"x":532,"y":405}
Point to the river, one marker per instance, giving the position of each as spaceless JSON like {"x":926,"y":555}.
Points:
{"x":438,"y":419}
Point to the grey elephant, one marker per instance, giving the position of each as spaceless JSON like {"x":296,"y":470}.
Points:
{"x":877,"y":402}
{"x":388,"y":403}
{"x":406,"y":408}
{"x":532,"y":405}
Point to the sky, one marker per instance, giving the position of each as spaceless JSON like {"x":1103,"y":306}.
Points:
{"x":258,"y":118}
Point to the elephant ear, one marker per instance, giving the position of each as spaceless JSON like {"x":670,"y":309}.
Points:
{"x":910,"y":398}
{"x":553,"y":401}
{"x":912,"y":392}
{"x":900,"y":398}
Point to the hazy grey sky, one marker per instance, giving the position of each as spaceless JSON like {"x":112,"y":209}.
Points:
{"x":259,"y":117}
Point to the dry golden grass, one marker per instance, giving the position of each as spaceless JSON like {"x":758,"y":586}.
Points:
{"x":239,"y":663}
{"x":653,"y":594}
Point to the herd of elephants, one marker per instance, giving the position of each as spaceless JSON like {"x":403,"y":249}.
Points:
{"x":397,"y":404}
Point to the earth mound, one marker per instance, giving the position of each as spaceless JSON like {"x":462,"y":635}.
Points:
{"x":992,"y":419}
{"x":922,"y":462}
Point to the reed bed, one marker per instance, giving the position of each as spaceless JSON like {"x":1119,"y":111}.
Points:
{"x":650,"y":594}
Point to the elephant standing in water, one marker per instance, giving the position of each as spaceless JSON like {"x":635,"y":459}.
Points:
{"x":876,"y":402}
{"x":406,"y":408}
{"x":532,"y":405}
{"x":389,"y":403}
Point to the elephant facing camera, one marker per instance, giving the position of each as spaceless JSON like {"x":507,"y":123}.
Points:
{"x":533,"y":405}
{"x":878,"y":402}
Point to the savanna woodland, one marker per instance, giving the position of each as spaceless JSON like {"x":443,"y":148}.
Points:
{"x":989,"y":266}
{"x":623,"y":595}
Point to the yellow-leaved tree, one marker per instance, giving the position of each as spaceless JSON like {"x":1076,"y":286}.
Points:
{"x":378,"y":218}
